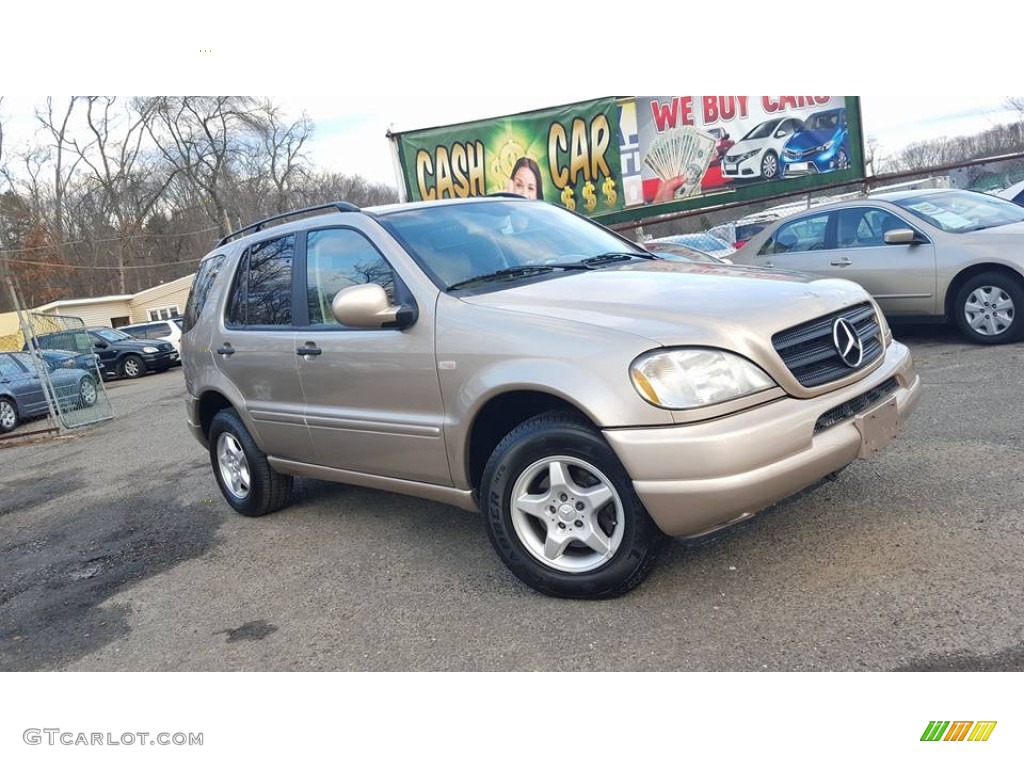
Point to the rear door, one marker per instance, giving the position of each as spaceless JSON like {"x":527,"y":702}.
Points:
{"x":373,"y":400}
{"x":254,"y":347}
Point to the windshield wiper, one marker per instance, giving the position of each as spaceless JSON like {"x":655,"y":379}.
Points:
{"x":611,"y":256}
{"x":520,"y":271}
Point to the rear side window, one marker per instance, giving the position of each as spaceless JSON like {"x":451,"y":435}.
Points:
{"x":262,"y":291}
{"x":205,"y":278}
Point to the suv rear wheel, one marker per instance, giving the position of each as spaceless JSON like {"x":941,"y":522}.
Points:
{"x":561,"y":511}
{"x":249,"y":484}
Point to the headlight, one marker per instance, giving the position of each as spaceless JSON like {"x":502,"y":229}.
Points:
{"x":741,"y":158}
{"x":150,"y":350}
{"x":690,"y":378}
{"x":827,"y":145}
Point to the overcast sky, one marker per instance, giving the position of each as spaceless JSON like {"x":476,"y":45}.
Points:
{"x":359,"y":71}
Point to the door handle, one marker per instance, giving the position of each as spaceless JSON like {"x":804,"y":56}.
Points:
{"x":226,"y":350}
{"x":308,"y":350}
{"x":843,"y":262}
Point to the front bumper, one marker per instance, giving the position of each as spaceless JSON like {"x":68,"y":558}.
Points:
{"x":696,"y":478}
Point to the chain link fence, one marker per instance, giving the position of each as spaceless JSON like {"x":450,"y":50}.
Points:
{"x":48,"y":368}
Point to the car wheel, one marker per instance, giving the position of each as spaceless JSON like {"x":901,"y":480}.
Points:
{"x":250,"y":485}
{"x":132,"y":367}
{"x":8,"y":415}
{"x":769,"y":166}
{"x":561,"y":511}
{"x":988,"y":308}
{"x":87,"y":392}
{"x":842,"y":160}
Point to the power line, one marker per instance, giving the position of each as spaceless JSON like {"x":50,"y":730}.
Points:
{"x":83,"y":266}
{"x":109,"y":240}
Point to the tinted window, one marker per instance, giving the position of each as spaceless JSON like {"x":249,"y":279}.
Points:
{"x":798,"y":236}
{"x":208,"y":272}
{"x":262,"y":291}
{"x":338,"y":259}
{"x":158,"y":330}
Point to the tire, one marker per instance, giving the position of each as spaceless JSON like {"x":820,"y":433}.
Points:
{"x":989,"y":307}
{"x":8,"y":415}
{"x":769,"y":166}
{"x":132,"y":367}
{"x":249,"y":484}
{"x":557,"y":461}
{"x":87,"y":394}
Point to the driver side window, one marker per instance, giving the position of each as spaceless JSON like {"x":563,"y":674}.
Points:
{"x":337,"y":259}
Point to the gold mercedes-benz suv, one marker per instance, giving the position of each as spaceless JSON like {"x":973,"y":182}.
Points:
{"x":509,"y":356}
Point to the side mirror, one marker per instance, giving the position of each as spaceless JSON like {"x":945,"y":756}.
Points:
{"x":367,"y":306}
{"x":901,"y":237}
{"x":100,"y":345}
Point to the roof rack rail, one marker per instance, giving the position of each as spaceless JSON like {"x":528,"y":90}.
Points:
{"x":339,"y":205}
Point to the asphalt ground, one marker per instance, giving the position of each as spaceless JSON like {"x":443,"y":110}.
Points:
{"x":118,"y":552}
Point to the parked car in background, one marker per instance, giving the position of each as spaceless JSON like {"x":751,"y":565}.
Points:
{"x":157,"y":330}
{"x":86,"y":361}
{"x":701,"y":241}
{"x":508,"y":356}
{"x":21,"y":389}
{"x":724,"y":143}
{"x":756,"y":155}
{"x":947,"y":254}
{"x":1015,"y":193}
{"x":121,"y":354}
{"x":679,"y":252}
{"x":822,"y":145}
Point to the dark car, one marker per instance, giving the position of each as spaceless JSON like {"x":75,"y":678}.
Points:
{"x":121,"y":354}
{"x":21,"y":390}
{"x":59,"y":358}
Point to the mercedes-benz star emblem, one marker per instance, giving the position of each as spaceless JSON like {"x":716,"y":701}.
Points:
{"x":848,"y":343}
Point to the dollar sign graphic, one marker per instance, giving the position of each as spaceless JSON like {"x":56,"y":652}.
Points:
{"x":609,"y":191}
{"x":589,"y":196}
{"x":567,"y":200}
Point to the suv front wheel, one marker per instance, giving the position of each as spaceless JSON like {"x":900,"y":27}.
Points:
{"x":249,"y":484}
{"x":561,"y":511}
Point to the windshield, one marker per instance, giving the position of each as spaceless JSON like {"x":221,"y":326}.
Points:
{"x":111,"y":335}
{"x":823,"y":121}
{"x":959,"y":210}
{"x":456,"y":243}
{"x":763,"y":131}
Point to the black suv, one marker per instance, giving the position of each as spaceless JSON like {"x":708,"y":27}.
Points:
{"x":119,"y":354}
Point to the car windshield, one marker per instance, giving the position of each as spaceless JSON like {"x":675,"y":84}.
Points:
{"x":111,"y":335}
{"x":958,"y":210}
{"x":504,"y":240}
{"x":763,"y":131}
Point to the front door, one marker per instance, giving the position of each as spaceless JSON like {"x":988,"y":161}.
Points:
{"x":373,"y":400}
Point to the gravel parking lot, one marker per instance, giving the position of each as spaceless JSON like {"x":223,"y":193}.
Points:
{"x":118,"y":553}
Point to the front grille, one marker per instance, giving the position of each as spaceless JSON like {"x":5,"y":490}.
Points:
{"x":810,"y":353}
{"x":859,"y":404}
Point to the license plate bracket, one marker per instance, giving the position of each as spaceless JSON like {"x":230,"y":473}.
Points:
{"x":878,"y":427}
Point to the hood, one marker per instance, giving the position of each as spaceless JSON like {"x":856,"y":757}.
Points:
{"x":805,"y":140}
{"x":995,"y":234}
{"x":749,"y":145}
{"x":679,"y":303}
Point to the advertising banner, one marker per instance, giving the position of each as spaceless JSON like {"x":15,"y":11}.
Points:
{"x":566,"y":155}
{"x":692,"y":146}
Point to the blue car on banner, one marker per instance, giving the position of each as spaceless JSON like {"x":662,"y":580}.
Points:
{"x":823,"y":145}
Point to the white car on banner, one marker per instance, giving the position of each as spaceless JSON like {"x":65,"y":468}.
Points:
{"x":756,"y":155}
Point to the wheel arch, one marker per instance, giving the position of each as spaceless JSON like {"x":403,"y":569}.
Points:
{"x":966,"y":274}
{"x":499,"y":415}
